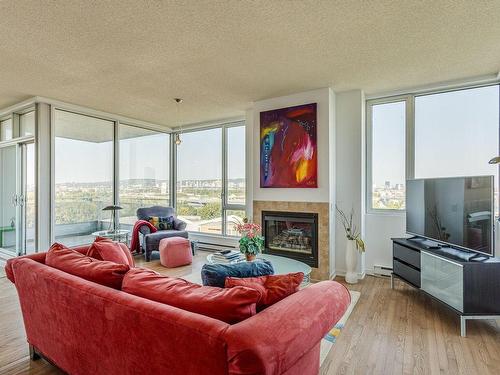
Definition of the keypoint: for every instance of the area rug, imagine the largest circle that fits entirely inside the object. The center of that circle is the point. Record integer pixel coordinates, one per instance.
(331, 336)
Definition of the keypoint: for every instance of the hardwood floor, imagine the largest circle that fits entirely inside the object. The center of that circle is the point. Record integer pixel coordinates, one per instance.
(397, 331)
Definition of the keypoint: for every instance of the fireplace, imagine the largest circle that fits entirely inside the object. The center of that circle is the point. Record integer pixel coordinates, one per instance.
(291, 234)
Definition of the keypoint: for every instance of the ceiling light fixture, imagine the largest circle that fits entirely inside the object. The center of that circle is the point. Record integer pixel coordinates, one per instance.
(178, 140)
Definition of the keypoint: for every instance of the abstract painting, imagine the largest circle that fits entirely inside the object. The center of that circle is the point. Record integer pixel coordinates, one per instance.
(288, 148)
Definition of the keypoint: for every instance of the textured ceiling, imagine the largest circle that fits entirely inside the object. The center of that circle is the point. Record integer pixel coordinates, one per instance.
(133, 57)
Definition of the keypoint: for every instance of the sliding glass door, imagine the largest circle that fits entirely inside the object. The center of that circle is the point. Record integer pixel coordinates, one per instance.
(17, 199)
(9, 218)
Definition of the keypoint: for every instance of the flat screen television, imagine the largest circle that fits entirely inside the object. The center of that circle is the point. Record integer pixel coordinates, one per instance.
(456, 211)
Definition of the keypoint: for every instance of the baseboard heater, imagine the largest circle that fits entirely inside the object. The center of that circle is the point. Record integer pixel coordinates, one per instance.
(382, 271)
(213, 247)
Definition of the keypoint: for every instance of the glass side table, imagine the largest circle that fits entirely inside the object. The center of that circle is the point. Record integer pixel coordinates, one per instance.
(121, 235)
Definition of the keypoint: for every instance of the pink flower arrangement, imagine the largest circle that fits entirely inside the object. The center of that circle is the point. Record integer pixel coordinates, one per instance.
(251, 242)
(248, 229)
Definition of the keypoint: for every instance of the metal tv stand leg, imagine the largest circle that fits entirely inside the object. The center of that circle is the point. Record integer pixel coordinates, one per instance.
(464, 318)
(463, 326)
(392, 281)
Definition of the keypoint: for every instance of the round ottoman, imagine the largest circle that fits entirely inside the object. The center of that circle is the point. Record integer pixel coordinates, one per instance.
(175, 252)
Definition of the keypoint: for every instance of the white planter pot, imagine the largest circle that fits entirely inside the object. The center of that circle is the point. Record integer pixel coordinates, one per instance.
(351, 262)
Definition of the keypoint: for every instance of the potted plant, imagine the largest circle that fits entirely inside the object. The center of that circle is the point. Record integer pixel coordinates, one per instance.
(354, 245)
(251, 242)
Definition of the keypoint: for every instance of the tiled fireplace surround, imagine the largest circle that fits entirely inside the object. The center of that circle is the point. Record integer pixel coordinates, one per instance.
(322, 209)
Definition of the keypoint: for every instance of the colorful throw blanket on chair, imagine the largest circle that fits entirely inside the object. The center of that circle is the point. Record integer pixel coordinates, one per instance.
(134, 242)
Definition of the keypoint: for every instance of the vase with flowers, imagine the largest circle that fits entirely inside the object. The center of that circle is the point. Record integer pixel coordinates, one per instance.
(354, 245)
(251, 241)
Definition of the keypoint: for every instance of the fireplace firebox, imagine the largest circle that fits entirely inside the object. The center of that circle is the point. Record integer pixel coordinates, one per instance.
(291, 234)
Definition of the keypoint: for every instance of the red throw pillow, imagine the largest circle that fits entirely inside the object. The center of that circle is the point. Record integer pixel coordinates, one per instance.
(273, 288)
(229, 305)
(105, 249)
(101, 272)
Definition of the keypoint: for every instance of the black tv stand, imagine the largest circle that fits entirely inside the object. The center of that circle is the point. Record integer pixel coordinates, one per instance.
(465, 281)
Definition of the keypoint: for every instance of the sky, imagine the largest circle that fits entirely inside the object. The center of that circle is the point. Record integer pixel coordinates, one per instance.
(456, 133)
(199, 157)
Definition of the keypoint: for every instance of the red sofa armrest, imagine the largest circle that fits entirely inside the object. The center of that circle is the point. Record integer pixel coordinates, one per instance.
(9, 271)
(37, 257)
(272, 341)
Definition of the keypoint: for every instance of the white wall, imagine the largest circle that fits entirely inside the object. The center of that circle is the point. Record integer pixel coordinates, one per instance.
(349, 115)
(249, 161)
(323, 98)
(341, 172)
(379, 229)
(326, 191)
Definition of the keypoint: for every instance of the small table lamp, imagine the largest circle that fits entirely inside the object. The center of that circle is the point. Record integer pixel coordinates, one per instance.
(113, 208)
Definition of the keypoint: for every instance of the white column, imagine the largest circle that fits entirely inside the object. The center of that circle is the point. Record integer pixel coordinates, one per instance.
(249, 162)
(349, 164)
(43, 176)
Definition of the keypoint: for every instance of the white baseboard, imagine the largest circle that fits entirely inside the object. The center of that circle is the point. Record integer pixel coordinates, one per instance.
(341, 273)
(214, 240)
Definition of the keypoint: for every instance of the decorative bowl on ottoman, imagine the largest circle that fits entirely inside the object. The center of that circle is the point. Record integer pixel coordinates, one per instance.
(175, 252)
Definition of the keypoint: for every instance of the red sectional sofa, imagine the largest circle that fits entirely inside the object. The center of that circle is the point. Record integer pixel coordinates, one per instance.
(86, 328)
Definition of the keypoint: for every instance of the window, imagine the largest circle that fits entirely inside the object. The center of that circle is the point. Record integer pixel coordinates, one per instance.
(30, 200)
(236, 165)
(235, 185)
(211, 179)
(459, 129)
(83, 174)
(452, 134)
(456, 133)
(388, 155)
(199, 180)
(27, 123)
(6, 130)
(144, 171)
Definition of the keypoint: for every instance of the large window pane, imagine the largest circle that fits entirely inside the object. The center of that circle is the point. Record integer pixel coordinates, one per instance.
(388, 155)
(199, 180)
(234, 217)
(83, 176)
(456, 133)
(6, 130)
(236, 165)
(27, 123)
(144, 171)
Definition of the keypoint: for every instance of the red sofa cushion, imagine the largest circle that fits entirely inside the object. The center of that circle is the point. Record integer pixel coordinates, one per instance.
(102, 272)
(105, 249)
(228, 305)
(273, 288)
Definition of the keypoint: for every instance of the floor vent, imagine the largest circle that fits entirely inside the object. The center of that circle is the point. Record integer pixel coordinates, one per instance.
(382, 271)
